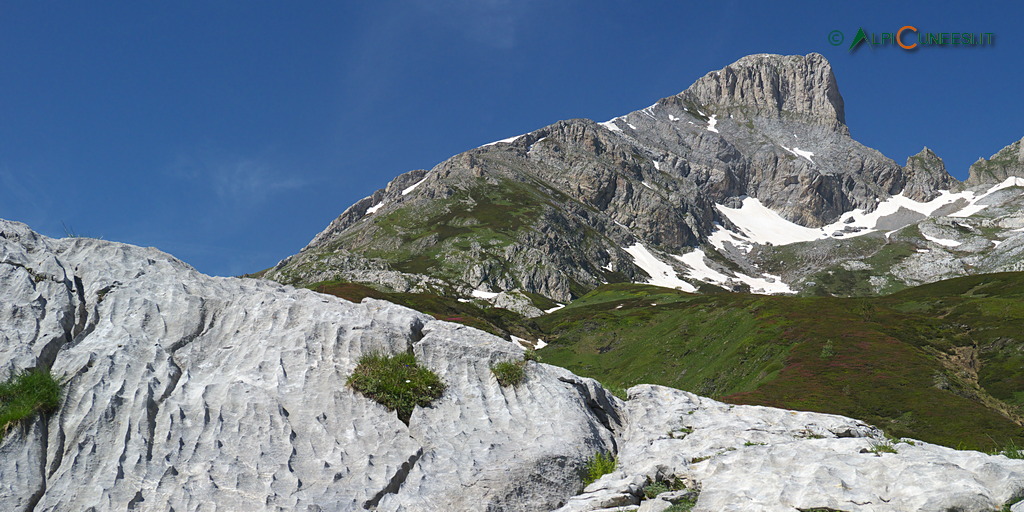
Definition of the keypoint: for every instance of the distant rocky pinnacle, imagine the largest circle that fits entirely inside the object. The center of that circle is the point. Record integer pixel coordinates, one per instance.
(194, 393)
(555, 211)
(1008, 162)
(926, 176)
(765, 85)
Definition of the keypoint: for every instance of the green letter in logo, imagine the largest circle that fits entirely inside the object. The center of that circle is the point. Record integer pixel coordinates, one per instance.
(859, 38)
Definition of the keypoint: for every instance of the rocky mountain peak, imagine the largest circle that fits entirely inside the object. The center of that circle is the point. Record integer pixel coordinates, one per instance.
(1008, 162)
(793, 87)
(926, 176)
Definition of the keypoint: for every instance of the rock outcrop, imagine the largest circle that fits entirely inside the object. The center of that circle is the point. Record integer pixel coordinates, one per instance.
(745, 458)
(189, 392)
(785, 87)
(1006, 163)
(926, 176)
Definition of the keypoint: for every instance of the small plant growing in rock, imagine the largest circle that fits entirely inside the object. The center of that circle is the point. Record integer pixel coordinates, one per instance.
(26, 394)
(396, 382)
(597, 466)
(686, 504)
(509, 373)
(1010, 451)
(531, 355)
(880, 447)
(654, 489)
(1009, 504)
(680, 432)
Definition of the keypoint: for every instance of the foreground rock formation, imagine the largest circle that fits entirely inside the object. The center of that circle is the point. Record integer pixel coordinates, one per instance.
(189, 392)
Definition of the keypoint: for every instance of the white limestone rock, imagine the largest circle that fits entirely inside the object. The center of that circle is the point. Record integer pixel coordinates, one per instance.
(747, 458)
(198, 393)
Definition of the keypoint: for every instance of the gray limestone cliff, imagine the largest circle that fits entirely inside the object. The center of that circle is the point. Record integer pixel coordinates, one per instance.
(799, 88)
(1007, 162)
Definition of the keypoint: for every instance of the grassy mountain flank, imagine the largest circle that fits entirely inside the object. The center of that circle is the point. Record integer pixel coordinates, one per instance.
(497, 321)
(942, 362)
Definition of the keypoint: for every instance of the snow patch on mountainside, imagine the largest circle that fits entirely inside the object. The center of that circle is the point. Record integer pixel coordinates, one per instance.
(974, 206)
(481, 294)
(762, 225)
(711, 124)
(941, 241)
(412, 187)
(767, 284)
(758, 224)
(699, 269)
(373, 209)
(610, 124)
(800, 153)
(662, 274)
(507, 141)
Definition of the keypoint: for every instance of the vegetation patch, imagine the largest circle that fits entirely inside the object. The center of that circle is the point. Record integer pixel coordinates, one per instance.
(498, 321)
(597, 466)
(397, 382)
(26, 394)
(942, 362)
(509, 373)
(686, 503)
(880, 447)
(1011, 451)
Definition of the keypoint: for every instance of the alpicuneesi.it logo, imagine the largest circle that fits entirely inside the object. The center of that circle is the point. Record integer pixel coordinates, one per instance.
(910, 38)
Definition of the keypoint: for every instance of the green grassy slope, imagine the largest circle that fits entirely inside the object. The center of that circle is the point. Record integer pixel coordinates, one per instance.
(942, 362)
(498, 321)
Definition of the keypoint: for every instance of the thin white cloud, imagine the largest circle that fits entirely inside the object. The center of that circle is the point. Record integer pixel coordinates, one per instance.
(234, 181)
(249, 181)
(495, 23)
(373, 64)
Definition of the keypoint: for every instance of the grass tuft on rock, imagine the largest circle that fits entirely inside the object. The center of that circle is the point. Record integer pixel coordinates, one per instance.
(880, 447)
(1011, 450)
(397, 382)
(26, 394)
(597, 466)
(509, 373)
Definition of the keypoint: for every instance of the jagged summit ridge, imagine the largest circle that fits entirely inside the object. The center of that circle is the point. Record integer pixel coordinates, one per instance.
(794, 86)
(568, 207)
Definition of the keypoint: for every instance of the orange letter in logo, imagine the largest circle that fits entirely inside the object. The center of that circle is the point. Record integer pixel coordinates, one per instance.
(899, 38)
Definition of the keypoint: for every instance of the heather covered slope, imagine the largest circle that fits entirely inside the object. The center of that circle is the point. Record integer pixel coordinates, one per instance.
(942, 362)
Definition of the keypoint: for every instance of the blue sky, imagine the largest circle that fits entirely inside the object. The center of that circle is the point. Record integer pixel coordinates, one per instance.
(229, 133)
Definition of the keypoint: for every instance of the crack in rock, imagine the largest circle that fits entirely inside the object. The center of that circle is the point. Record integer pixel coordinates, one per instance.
(396, 481)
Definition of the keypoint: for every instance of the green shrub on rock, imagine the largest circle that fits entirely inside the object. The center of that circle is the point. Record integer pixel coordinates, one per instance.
(397, 382)
(597, 466)
(26, 394)
(509, 373)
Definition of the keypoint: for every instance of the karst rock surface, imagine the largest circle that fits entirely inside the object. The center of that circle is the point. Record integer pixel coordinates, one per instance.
(188, 392)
